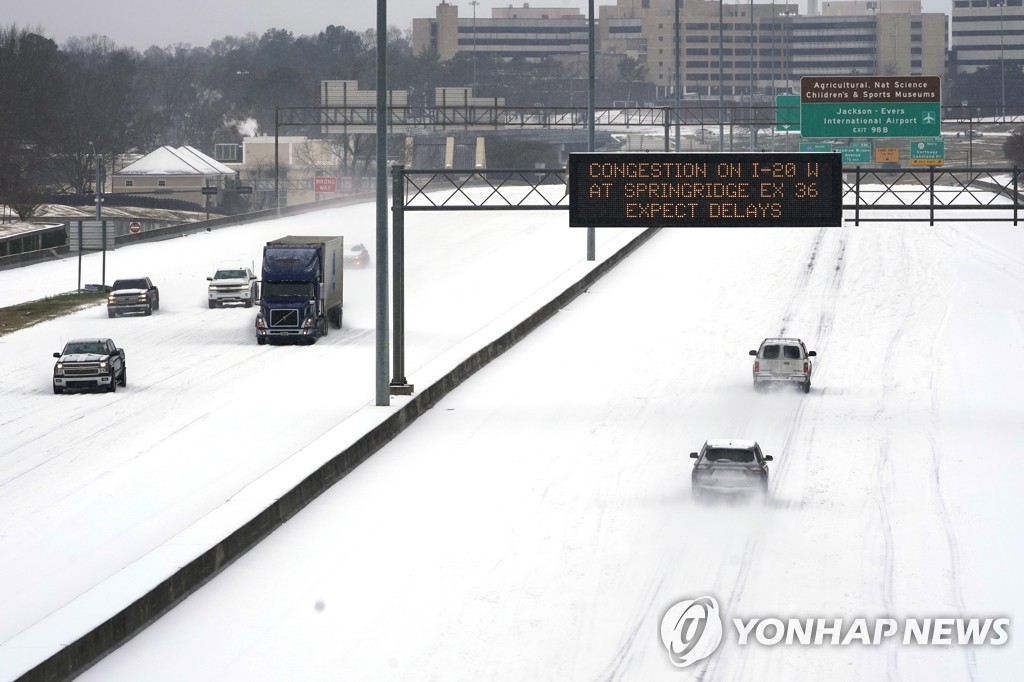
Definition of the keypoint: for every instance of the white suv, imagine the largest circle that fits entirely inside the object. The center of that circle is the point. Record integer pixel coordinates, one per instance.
(783, 360)
(232, 285)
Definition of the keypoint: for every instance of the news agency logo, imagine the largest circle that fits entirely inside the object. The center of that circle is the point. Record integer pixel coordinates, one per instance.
(691, 630)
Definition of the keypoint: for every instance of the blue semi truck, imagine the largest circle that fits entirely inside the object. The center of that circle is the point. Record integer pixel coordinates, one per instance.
(301, 289)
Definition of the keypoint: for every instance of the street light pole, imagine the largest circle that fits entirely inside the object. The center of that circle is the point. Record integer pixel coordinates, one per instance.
(96, 187)
(474, 3)
(591, 235)
(1002, 67)
(753, 56)
(677, 78)
(721, 76)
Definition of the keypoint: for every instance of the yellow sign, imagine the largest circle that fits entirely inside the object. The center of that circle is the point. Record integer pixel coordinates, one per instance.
(926, 162)
(887, 154)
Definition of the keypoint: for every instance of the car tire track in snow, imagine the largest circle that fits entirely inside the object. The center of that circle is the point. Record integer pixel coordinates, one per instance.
(888, 476)
(947, 522)
(885, 478)
(794, 432)
(954, 549)
(617, 668)
(801, 282)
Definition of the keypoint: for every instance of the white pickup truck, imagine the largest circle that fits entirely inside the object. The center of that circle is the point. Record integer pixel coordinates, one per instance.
(783, 360)
(232, 285)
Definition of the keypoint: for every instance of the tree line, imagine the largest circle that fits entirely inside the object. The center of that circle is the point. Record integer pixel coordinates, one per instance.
(64, 105)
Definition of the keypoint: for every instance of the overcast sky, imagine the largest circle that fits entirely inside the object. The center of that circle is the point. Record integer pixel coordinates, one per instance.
(199, 22)
(142, 24)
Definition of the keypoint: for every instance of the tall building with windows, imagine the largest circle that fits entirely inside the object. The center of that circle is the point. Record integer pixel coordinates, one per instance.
(528, 32)
(875, 37)
(986, 32)
(752, 43)
(764, 48)
(757, 50)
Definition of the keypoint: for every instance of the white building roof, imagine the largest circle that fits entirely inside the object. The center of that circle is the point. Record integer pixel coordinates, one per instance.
(181, 161)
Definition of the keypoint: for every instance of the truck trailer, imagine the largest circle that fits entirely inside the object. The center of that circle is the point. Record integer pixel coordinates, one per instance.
(301, 289)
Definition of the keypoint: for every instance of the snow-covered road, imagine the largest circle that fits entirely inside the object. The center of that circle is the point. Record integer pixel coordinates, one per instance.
(538, 522)
(91, 483)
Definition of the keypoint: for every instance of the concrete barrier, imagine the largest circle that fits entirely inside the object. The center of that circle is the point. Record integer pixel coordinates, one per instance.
(84, 652)
(160, 233)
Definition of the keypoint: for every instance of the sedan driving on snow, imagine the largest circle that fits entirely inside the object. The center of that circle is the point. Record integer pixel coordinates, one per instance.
(357, 256)
(783, 360)
(729, 467)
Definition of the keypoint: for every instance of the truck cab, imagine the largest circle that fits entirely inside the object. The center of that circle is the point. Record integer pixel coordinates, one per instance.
(300, 290)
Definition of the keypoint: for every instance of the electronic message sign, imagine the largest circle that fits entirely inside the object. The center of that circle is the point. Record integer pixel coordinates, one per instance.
(745, 189)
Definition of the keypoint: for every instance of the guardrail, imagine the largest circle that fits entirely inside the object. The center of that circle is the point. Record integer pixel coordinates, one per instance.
(922, 194)
(178, 229)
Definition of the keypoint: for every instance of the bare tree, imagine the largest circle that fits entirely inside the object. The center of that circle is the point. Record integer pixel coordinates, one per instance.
(1013, 148)
(24, 198)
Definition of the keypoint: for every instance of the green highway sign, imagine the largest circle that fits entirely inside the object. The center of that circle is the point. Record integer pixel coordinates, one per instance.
(927, 152)
(815, 146)
(787, 112)
(855, 153)
(870, 120)
(870, 106)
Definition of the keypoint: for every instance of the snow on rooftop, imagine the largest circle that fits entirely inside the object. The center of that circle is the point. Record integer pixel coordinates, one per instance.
(181, 161)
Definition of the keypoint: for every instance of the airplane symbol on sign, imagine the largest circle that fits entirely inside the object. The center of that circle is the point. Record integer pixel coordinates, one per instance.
(929, 117)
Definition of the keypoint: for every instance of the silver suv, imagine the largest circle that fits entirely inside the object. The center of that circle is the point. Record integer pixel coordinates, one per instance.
(729, 467)
(783, 360)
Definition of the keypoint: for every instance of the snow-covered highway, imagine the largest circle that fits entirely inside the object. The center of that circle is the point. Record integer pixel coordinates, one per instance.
(537, 523)
(91, 485)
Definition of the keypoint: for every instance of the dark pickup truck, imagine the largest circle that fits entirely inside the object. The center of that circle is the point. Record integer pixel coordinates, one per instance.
(136, 295)
(89, 363)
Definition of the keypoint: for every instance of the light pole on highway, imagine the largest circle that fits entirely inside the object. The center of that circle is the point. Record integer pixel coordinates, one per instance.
(721, 76)
(1002, 67)
(97, 192)
(474, 3)
(676, 58)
